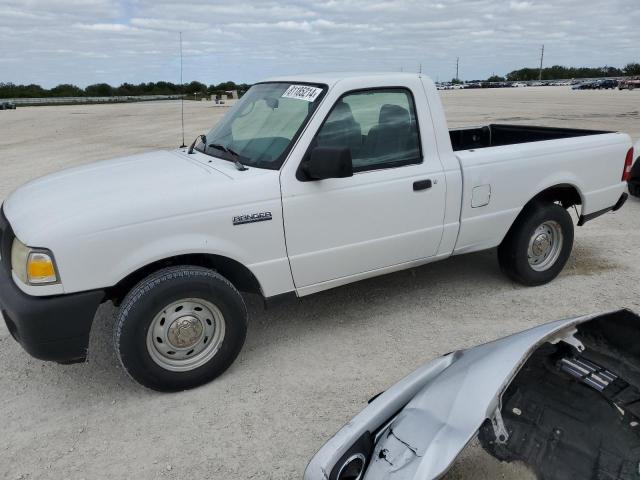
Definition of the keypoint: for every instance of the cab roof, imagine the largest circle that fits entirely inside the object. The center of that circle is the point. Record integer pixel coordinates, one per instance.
(332, 78)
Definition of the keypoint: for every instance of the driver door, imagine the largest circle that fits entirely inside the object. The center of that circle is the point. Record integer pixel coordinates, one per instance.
(388, 213)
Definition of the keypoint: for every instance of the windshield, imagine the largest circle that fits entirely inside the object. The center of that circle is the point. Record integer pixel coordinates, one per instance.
(263, 126)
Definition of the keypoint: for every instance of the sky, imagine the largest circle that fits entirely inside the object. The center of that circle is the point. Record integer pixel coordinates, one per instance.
(90, 41)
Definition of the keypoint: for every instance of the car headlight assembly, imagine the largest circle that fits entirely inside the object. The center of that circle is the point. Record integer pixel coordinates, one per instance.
(33, 266)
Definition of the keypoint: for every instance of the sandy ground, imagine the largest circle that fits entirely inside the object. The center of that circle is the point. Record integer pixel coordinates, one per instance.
(310, 365)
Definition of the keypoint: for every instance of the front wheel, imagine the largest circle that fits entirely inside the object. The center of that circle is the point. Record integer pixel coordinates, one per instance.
(538, 244)
(179, 328)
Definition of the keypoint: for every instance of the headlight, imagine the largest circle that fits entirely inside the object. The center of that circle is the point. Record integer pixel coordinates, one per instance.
(33, 266)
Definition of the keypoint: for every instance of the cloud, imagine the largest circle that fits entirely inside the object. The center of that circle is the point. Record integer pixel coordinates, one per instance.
(520, 6)
(105, 27)
(166, 24)
(89, 41)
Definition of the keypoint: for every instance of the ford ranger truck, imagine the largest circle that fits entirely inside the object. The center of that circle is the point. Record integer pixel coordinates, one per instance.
(307, 183)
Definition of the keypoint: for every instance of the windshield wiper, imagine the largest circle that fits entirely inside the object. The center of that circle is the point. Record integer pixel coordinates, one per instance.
(204, 141)
(235, 156)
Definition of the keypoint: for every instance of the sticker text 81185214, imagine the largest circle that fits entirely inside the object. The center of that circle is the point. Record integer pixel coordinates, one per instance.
(302, 92)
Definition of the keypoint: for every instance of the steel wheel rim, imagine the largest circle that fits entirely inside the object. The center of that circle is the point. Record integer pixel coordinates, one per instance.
(185, 334)
(545, 246)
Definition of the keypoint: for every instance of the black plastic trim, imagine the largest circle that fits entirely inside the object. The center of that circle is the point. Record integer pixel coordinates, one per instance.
(590, 216)
(49, 328)
(279, 299)
(6, 240)
(496, 135)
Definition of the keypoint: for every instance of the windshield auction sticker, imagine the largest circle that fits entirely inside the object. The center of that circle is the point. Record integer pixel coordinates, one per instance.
(302, 92)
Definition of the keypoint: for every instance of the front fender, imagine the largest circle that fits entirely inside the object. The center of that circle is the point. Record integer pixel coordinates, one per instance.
(102, 259)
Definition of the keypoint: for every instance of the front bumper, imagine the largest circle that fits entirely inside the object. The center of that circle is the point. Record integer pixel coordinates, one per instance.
(421, 424)
(49, 328)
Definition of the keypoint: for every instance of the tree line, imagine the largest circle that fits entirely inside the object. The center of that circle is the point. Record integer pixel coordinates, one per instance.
(558, 72)
(193, 89)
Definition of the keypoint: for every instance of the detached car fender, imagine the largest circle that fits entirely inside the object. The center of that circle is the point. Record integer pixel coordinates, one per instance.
(417, 428)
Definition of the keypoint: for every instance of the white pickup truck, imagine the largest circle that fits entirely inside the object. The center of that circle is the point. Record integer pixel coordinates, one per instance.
(308, 183)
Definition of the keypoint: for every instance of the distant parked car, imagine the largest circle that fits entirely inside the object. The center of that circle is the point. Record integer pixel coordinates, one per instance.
(606, 84)
(629, 83)
(589, 85)
(7, 106)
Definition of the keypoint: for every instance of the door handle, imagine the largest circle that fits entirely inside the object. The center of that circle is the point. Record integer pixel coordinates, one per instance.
(421, 185)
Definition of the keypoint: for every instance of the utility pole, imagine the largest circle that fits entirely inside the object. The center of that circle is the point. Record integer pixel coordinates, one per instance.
(541, 58)
(457, 68)
(420, 71)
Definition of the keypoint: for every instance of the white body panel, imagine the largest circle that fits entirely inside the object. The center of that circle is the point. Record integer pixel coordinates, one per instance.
(341, 227)
(106, 220)
(517, 173)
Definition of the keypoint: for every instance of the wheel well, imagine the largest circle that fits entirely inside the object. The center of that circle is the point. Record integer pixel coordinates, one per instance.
(567, 195)
(239, 275)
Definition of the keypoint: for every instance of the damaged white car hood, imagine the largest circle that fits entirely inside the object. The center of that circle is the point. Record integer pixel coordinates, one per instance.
(435, 411)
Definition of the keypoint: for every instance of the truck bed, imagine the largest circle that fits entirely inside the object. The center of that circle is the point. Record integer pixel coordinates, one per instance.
(498, 181)
(495, 135)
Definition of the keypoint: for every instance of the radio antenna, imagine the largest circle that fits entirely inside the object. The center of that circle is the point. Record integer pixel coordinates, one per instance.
(181, 95)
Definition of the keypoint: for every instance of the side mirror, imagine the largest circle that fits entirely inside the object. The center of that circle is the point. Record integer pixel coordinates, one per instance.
(327, 162)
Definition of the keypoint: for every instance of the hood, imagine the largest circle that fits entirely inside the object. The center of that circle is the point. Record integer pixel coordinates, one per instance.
(100, 195)
(417, 428)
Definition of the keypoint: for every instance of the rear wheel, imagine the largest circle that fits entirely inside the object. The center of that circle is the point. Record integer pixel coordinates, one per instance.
(179, 328)
(538, 244)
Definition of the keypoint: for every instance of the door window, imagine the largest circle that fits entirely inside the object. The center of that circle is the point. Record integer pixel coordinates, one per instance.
(378, 126)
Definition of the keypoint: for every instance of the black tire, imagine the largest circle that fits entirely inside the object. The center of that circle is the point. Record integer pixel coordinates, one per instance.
(513, 251)
(156, 292)
(634, 180)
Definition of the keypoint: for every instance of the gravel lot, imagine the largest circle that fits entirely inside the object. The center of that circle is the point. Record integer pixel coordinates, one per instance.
(309, 365)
